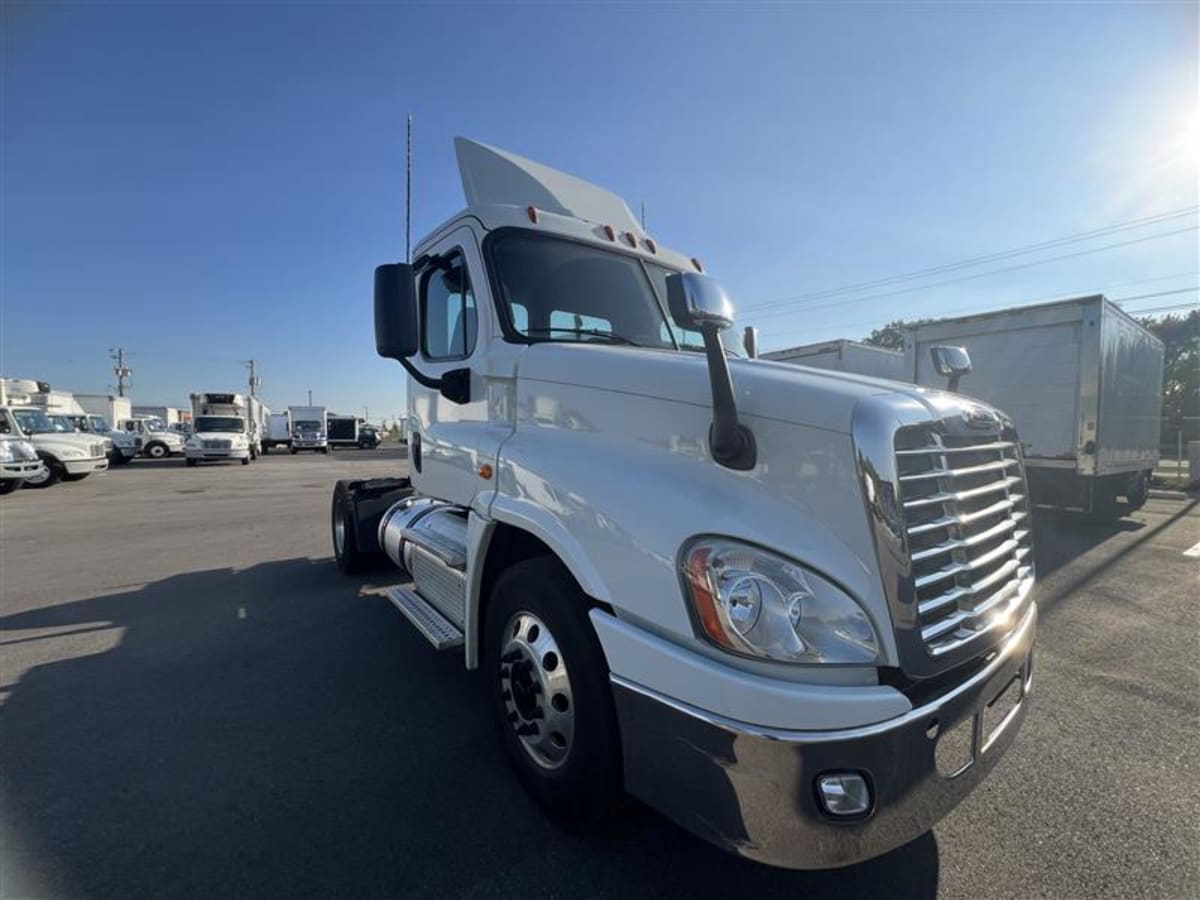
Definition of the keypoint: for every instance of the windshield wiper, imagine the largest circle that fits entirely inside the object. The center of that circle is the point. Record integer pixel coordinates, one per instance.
(609, 336)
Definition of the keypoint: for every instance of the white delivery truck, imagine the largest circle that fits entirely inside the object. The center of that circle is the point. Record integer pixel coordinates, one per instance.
(154, 437)
(308, 429)
(170, 415)
(845, 356)
(65, 456)
(278, 431)
(1081, 379)
(790, 608)
(100, 411)
(220, 429)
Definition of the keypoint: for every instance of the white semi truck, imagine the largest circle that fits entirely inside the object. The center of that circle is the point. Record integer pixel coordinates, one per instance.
(308, 429)
(220, 429)
(64, 456)
(1082, 380)
(792, 609)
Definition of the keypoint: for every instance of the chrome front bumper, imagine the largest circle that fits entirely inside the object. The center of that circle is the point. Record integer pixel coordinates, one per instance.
(309, 445)
(21, 470)
(85, 466)
(753, 791)
(212, 453)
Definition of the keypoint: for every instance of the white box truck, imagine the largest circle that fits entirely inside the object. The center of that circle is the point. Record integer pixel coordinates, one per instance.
(170, 415)
(845, 356)
(308, 429)
(1082, 381)
(278, 431)
(790, 608)
(341, 431)
(220, 429)
(65, 456)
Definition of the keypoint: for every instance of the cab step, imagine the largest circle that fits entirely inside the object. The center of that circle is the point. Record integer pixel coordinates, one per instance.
(436, 628)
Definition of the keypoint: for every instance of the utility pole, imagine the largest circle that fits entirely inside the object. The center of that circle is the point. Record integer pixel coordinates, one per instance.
(366, 413)
(122, 371)
(255, 381)
(310, 397)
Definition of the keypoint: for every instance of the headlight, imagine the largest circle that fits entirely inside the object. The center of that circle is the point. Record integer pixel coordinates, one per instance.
(72, 453)
(751, 601)
(8, 451)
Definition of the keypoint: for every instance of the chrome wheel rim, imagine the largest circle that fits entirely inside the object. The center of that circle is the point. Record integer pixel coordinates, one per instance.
(41, 476)
(158, 451)
(535, 687)
(339, 534)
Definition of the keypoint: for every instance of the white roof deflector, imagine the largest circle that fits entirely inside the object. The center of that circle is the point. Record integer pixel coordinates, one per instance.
(492, 176)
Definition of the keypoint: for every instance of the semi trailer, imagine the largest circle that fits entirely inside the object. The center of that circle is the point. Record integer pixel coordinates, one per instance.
(790, 608)
(845, 356)
(220, 429)
(1082, 380)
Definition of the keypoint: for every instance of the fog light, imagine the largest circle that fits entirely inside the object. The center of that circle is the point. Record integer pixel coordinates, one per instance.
(844, 794)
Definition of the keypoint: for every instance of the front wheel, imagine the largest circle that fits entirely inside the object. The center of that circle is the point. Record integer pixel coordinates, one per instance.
(245, 460)
(193, 462)
(78, 477)
(52, 473)
(549, 683)
(325, 450)
(292, 450)
(8, 485)
(157, 450)
(118, 459)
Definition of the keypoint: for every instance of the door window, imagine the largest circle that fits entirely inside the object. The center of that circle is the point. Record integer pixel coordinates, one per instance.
(448, 317)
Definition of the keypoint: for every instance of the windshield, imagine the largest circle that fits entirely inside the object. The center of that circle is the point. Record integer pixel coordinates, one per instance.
(61, 423)
(98, 423)
(559, 290)
(33, 421)
(155, 424)
(308, 425)
(220, 423)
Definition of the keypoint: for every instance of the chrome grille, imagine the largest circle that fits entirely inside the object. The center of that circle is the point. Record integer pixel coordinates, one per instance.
(98, 450)
(217, 445)
(966, 521)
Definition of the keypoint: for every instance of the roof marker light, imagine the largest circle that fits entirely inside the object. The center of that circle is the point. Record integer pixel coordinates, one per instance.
(696, 263)
(609, 233)
(650, 245)
(631, 238)
(532, 212)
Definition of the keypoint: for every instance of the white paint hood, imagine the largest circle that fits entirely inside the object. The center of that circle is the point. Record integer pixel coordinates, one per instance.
(492, 176)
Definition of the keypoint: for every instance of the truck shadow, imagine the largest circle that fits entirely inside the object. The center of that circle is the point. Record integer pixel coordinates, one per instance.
(281, 732)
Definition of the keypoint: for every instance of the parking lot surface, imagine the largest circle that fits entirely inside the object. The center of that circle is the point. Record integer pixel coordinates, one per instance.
(195, 703)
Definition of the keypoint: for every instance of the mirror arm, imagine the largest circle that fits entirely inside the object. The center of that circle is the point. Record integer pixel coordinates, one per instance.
(732, 443)
(420, 377)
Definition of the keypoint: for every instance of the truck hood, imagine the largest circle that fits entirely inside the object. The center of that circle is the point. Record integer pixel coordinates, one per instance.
(764, 389)
(85, 442)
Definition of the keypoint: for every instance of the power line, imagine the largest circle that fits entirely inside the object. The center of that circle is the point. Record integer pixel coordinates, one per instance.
(962, 278)
(1156, 294)
(979, 260)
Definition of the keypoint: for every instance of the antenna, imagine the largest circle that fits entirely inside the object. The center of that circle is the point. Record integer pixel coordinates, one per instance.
(122, 371)
(255, 381)
(408, 197)
(643, 215)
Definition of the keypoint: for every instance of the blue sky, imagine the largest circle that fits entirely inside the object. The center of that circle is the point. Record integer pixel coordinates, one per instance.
(203, 184)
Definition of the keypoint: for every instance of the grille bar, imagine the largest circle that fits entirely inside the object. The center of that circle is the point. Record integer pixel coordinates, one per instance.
(960, 473)
(977, 448)
(957, 496)
(966, 518)
(981, 537)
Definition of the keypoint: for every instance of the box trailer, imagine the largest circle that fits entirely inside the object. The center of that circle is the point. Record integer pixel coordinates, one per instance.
(342, 430)
(1082, 381)
(278, 431)
(845, 356)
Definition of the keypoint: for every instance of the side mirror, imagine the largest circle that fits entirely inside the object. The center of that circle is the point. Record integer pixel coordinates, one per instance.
(750, 341)
(697, 300)
(395, 311)
(951, 362)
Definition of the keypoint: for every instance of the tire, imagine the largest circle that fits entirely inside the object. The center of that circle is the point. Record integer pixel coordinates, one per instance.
(245, 460)
(265, 449)
(193, 462)
(1105, 507)
(8, 485)
(539, 646)
(292, 450)
(349, 558)
(326, 450)
(54, 473)
(82, 475)
(1138, 490)
(157, 450)
(119, 459)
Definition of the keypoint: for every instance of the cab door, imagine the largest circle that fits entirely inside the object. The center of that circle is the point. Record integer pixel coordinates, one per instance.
(451, 441)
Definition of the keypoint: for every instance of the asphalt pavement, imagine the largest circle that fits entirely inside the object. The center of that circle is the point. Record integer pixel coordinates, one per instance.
(193, 702)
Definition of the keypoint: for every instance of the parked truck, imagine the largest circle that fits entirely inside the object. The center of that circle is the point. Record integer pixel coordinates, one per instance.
(64, 456)
(278, 431)
(790, 608)
(845, 356)
(1081, 379)
(221, 429)
(342, 431)
(170, 415)
(154, 437)
(308, 429)
(99, 413)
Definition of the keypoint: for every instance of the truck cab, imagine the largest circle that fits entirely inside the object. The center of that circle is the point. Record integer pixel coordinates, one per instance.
(65, 455)
(122, 445)
(220, 430)
(152, 436)
(309, 429)
(791, 609)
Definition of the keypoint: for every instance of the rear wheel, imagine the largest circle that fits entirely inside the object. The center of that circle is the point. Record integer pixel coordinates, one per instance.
(1105, 506)
(550, 691)
(51, 474)
(346, 553)
(1138, 491)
